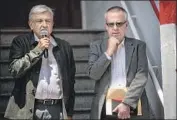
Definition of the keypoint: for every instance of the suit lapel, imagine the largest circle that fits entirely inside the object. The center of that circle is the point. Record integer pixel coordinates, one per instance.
(129, 48)
(104, 45)
(103, 49)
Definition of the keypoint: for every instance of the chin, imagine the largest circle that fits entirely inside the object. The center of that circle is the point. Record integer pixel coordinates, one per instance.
(116, 35)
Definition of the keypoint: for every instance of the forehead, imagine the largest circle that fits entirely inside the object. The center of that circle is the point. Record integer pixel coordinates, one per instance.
(43, 15)
(115, 16)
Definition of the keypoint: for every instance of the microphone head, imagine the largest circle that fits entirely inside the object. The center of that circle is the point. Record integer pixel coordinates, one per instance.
(44, 33)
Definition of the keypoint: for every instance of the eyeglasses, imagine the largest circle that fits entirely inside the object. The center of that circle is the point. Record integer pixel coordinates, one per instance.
(118, 24)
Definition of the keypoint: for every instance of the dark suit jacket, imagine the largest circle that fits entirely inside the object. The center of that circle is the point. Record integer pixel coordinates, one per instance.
(136, 73)
(25, 63)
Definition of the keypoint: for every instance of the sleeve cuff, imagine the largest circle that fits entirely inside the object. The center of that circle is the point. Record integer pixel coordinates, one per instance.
(131, 106)
(109, 58)
(37, 51)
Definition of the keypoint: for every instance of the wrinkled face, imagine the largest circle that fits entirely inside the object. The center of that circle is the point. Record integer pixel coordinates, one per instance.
(41, 21)
(116, 24)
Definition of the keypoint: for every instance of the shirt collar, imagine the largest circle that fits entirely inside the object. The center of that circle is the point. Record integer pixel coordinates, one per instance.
(122, 43)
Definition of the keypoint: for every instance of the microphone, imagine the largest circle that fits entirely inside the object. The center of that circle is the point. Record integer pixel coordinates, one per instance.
(44, 33)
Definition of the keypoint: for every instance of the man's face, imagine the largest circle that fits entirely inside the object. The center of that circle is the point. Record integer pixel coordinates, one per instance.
(116, 24)
(41, 21)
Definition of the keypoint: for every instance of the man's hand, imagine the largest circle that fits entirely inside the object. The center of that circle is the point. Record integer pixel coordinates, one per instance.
(44, 43)
(112, 45)
(123, 111)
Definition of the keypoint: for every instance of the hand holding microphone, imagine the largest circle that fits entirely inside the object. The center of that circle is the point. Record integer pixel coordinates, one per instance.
(44, 42)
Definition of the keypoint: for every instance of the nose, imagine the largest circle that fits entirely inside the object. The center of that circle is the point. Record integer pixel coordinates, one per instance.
(44, 23)
(115, 27)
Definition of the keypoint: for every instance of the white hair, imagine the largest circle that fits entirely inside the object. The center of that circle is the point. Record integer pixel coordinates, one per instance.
(40, 9)
(117, 9)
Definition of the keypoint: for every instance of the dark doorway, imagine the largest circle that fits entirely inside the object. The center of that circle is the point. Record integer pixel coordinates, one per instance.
(15, 13)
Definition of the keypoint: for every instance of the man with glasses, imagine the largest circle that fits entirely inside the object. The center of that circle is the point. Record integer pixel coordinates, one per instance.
(118, 61)
(44, 70)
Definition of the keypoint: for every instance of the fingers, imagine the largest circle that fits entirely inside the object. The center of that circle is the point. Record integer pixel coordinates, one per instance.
(123, 111)
(44, 43)
(115, 40)
(112, 46)
(123, 115)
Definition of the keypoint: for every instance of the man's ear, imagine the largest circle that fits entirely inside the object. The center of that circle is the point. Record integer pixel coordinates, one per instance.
(53, 24)
(127, 24)
(106, 27)
(30, 24)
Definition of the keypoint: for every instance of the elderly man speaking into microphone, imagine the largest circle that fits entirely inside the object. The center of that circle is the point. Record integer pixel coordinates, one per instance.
(43, 68)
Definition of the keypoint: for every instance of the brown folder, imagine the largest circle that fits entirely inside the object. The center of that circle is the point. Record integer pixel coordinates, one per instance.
(115, 96)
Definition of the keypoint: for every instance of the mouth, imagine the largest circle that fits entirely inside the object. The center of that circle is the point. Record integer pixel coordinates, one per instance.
(116, 34)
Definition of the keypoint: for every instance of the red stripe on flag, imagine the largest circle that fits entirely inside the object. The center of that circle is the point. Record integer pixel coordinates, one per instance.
(167, 12)
(118, 100)
(155, 8)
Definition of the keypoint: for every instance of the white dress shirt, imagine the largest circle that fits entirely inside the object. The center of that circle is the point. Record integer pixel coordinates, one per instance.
(49, 84)
(118, 73)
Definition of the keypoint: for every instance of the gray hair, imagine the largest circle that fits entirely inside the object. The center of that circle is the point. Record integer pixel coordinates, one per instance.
(40, 9)
(117, 8)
